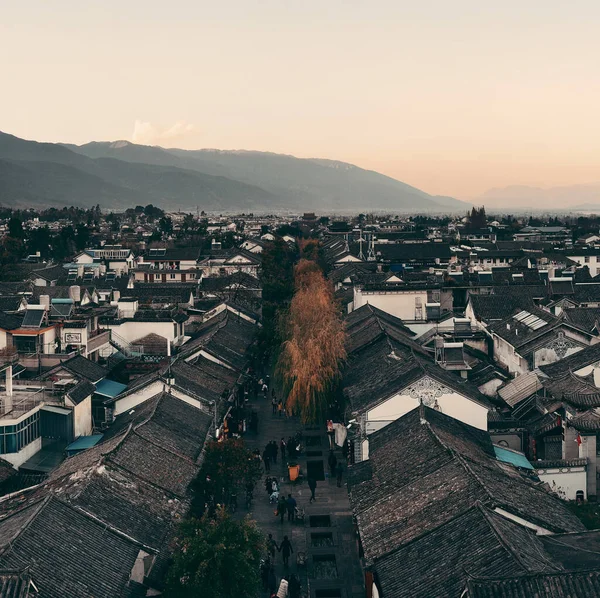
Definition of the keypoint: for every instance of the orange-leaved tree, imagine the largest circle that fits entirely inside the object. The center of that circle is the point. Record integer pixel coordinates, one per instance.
(313, 348)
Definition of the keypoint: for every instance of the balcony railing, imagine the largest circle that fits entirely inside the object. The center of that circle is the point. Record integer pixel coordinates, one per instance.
(98, 340)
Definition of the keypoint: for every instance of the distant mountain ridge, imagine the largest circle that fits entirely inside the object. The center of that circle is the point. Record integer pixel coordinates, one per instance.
(571, 197)
(118, 174)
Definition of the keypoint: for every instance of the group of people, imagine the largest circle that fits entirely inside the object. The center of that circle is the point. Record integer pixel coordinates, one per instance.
(268, 570)
(271, 452)
(286, 505)
(276, 404)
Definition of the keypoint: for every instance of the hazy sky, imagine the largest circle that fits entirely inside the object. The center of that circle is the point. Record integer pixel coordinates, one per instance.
(452, 96)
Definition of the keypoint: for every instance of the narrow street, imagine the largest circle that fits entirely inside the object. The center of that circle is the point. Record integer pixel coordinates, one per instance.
(327, 536)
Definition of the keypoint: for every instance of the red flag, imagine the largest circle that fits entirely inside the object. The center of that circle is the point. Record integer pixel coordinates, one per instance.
(578, 439)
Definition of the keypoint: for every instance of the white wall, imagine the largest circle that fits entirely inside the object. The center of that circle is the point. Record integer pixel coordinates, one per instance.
(83, 418)
(399, 304)
(450, 403)
(565, 481)
(544, 356)
(592, 264)
(136, 398)
(17, 459)
(505, 353)
(134, 330)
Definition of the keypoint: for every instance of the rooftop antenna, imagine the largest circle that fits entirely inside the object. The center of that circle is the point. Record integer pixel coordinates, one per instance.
(371, 252)
(361, 255)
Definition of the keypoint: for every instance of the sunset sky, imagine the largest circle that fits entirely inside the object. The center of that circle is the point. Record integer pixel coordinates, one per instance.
(452, 96)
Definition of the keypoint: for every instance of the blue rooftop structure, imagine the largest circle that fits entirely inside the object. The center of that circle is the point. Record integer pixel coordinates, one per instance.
(109, 388)
(83, 443)
(515, 458)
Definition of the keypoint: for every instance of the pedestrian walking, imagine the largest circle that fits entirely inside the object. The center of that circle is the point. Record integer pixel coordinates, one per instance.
(274, 403)
(286, 549)
(280, 407)
(265, 390)
(272, 546)
(291, 448)
(332, 463)
(291, 507)
(282, 447)
(281, 507)
(267, 460)
(312, 484)
(340, 473)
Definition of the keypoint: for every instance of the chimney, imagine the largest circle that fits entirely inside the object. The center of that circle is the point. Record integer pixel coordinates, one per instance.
(116, 294)
(45, 301)
(75, 293)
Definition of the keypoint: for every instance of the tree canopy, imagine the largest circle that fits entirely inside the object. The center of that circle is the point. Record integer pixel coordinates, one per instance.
(216, 556)
(227, 466)
(313, 348)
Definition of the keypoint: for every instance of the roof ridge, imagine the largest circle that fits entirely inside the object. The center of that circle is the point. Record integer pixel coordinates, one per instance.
(36, 509)
(151, 414)
(107, 526)
(508, 547)
(470, 471)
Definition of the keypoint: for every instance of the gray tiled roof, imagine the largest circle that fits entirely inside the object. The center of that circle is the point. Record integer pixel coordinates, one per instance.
(81, 391)
(476, 542)
(540, 585)
(92, 559)
(426, 468)
(81, 367)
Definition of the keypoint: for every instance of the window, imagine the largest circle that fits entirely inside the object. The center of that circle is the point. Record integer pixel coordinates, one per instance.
(14, 438)
(587, 259)
(25, 344)
(503, 443)
(157, 277)
(172, 276)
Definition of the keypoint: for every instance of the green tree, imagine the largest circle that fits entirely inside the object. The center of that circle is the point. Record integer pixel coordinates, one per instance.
(189, 223)
(165, 224)
(477, 218)
(15, 228)
(39, 240)
(217, 557)
(82, 237)
(277, 277)
(227, 467)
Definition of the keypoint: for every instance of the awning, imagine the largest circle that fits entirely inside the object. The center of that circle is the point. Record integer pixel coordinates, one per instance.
(512, 457)
(83, 443)
(109, 388)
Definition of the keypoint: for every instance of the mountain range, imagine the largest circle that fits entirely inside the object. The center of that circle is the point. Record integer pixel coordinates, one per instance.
(571, 197)
(120, 174)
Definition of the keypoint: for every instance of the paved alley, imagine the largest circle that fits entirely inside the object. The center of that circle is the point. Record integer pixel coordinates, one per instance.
(327, 536)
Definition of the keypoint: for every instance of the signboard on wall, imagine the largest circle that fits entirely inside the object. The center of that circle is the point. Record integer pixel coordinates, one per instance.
(73, 337)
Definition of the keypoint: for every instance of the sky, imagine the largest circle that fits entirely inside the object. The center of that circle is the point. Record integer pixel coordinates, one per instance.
(454, 97)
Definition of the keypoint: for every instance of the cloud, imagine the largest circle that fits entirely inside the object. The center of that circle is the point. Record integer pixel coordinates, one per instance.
(147, 133)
